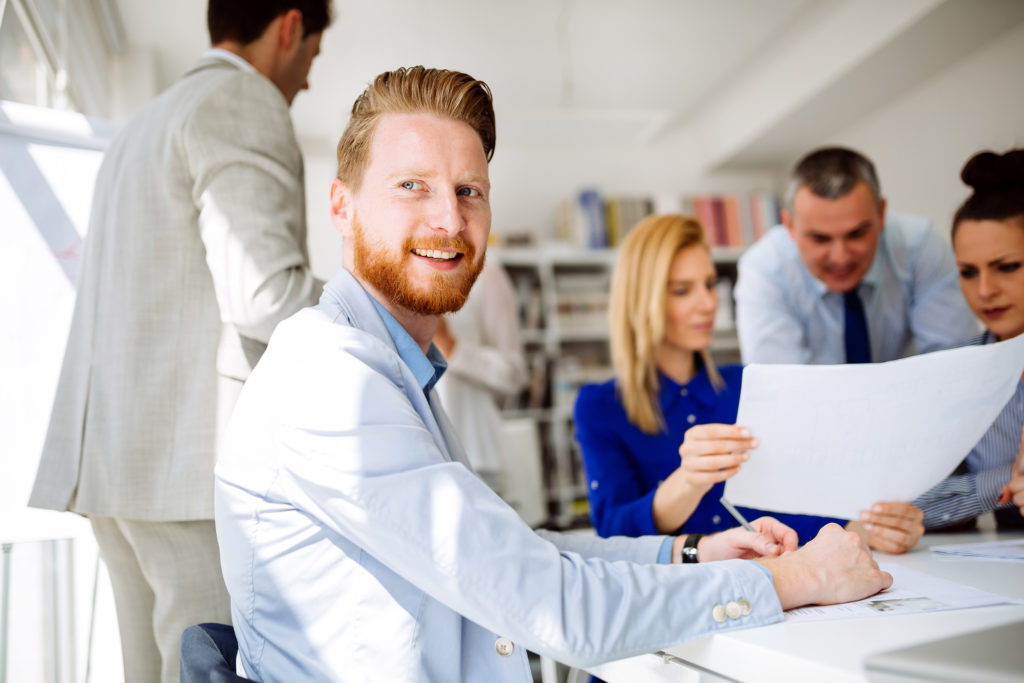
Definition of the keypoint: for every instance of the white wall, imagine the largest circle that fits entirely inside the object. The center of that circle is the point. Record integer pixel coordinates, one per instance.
(921, 141)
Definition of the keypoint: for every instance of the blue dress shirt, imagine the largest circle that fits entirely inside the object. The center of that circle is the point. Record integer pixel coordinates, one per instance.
(911, 293)
(625, 466)
(989, 465)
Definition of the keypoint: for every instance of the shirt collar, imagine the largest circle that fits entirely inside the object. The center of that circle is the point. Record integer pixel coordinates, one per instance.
(426, 367)
(700, 389)
(228, 56)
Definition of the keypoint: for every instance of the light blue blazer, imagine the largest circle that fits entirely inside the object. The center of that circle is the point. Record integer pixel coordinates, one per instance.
(358, 545)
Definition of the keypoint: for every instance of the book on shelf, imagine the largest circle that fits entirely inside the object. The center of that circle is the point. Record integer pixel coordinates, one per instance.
(593, 221)
(733, 220)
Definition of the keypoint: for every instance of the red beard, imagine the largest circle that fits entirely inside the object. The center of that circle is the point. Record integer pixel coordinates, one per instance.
(385, 271)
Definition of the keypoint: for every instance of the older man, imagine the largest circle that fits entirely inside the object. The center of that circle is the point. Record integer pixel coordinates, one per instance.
(842, 281)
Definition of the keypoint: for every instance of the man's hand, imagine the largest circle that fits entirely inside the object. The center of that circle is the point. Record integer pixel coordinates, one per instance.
(889, 527)
(835, 567)
(772, 538)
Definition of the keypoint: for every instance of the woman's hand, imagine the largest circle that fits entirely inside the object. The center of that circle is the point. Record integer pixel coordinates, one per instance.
(889, 527)
(1013, 490)
(711, 453)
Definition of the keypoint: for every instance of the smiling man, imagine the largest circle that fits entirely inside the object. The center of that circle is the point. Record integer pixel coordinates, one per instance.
(842, 281)
(356, 542)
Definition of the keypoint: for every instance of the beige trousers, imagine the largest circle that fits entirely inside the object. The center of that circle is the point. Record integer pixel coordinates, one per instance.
(166, 576)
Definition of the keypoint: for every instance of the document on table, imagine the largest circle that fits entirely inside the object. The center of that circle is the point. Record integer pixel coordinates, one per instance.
(912, 592)
(834, 439)
(998, 550)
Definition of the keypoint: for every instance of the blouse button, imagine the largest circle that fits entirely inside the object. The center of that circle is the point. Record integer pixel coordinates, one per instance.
(716, 519)
(691, 418)
(683, 392)
(593, 485)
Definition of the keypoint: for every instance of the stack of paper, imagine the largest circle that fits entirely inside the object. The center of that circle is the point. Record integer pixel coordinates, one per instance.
(1001, 550)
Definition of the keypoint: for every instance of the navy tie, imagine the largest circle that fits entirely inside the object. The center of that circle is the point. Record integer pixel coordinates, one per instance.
(855, 329)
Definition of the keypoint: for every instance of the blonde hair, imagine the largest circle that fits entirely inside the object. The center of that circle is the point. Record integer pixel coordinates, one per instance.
(413, 90)
(637, 311)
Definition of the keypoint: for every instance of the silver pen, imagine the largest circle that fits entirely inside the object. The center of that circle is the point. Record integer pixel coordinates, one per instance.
(736, 514)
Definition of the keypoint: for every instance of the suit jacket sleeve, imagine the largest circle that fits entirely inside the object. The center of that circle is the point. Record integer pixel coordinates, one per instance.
(365, 465)
(248, 187)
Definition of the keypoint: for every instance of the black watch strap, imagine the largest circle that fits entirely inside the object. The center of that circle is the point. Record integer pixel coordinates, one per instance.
(690, 548)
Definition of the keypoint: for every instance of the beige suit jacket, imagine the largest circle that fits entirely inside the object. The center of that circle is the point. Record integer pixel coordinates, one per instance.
(195, 251)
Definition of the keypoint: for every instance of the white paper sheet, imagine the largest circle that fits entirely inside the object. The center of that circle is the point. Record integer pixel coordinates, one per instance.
(912, 592)
(998, 550)
(837, 438)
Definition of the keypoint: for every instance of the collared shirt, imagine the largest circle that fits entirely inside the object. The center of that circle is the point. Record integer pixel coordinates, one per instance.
(625, 466)
(427, 367)
(229, 56)
(911, 294)
(989, 465)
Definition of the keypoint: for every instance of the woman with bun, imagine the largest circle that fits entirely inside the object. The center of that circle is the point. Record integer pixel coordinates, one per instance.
(988, 240)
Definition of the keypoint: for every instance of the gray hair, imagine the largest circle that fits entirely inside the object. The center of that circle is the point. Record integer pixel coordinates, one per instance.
(832, 172)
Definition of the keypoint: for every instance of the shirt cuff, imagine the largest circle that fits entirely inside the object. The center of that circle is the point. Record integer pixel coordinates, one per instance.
(665, 552)
(764, 569)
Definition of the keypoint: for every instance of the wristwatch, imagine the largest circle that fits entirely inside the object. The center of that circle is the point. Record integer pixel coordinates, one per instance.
(690, 548)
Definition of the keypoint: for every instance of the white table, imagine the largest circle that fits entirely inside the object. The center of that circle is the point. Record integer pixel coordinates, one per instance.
(835, 650)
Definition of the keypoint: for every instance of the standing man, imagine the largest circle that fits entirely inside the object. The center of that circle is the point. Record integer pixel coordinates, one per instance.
(196, 250)
(842, 282)
(356, 542)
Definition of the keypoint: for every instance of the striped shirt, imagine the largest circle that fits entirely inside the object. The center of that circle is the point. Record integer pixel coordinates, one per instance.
(988, 467)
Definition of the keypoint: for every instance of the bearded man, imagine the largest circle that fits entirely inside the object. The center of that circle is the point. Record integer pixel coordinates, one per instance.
(356, 542)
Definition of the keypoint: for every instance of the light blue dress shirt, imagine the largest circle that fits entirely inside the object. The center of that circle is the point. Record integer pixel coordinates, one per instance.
(357, 545)
(911, 293)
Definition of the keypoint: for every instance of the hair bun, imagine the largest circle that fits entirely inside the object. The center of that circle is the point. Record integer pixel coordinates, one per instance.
(988, 171)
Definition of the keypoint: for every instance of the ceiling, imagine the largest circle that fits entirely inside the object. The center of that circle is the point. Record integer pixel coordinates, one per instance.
(749, 79)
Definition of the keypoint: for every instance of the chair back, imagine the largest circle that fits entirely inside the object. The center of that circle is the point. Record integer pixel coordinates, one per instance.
(208, 653)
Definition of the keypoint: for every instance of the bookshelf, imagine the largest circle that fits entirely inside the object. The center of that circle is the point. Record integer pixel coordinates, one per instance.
(563, 310)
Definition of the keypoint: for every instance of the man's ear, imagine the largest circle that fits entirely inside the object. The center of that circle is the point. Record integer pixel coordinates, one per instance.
(881, 211)
(290, 29)
(341, 207)
(787, 220)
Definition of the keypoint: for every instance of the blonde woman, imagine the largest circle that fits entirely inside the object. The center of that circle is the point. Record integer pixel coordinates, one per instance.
(667, 391)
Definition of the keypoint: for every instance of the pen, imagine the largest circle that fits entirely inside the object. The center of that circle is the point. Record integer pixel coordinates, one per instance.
(736, 514)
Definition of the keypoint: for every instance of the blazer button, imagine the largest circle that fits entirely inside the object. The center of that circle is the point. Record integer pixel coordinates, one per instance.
(733, 610)
(504, 647)
(718, 613)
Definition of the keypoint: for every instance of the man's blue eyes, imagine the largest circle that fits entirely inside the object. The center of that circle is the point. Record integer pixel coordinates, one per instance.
(463, 191)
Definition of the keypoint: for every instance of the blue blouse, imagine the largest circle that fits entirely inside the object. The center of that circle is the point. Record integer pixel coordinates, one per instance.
(624, 465)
